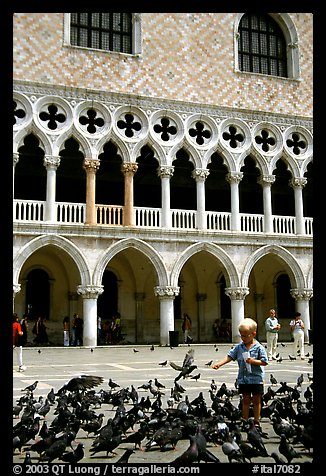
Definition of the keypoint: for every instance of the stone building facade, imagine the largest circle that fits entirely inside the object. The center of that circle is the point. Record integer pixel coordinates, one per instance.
(164, 180)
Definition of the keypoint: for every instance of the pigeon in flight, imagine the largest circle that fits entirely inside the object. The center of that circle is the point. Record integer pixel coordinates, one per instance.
(82, 383)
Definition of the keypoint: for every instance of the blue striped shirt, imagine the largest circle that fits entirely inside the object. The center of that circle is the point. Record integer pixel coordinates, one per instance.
(257, 351)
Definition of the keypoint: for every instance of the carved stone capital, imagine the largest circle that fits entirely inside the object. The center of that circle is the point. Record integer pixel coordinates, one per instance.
(16, 289)
(266, 179)
(91, 165)
(237, 294)
(200, 175)
(51, 161)
(90, 291)
(166, 292)
(129, 168)
(15, 158)
(303, 294)
(234, 177)
(299, 182)
(165, 171)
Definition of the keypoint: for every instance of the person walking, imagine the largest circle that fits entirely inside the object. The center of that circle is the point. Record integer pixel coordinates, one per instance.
(66, 331)
(17, 335)
(272, 328)
(40, 330)
(297, 327)
(78, 330)
(251, 357)
(186, 329)
(24, 326)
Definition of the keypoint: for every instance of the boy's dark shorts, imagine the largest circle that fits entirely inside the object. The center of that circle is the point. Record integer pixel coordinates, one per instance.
(252, 388)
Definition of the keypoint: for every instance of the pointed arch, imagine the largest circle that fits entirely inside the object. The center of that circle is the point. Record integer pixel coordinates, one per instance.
(141, 246)
(231, 274)
(65, 245)
(296, 274)
(44, 142)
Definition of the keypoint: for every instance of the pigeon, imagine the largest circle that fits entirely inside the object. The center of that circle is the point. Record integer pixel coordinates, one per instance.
(209, 363)
(152, 347)
(300, 380)
(58, 448)
(232, 450)
(287, 450)
(75, 455)
(185, 372)
(254, 437)
(195, 377)
(124, 458)
(158, 384)
(30, 388)
(135, 350)
(272, 379)
(112, 384)
(147, 385)
(137, 437)
(163, 364)
(291, 357)
(277, 458)
(190, 455)
(82, 383)
(27, 459)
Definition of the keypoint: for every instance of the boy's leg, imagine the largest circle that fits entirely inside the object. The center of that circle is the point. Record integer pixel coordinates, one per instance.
(246, 399)
(256, 403)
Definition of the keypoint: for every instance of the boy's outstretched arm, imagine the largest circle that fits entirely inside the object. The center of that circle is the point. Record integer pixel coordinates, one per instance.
(221, 362)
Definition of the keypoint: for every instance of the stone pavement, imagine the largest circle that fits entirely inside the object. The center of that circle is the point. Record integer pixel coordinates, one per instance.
(54, 366)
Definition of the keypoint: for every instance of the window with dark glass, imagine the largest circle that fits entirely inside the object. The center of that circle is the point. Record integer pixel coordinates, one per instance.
(261, 46)
(102, 31)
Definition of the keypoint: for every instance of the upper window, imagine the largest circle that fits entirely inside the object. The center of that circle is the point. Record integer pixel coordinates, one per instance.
(103, 31)
(261, 45)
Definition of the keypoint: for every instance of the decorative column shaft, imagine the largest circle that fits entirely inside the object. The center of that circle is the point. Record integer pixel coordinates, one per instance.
(129, 169)
(200, 175)
(302, 298)
(237, 296)
(266, 181)
(51, 163)
(15, 161)
(297, 184)
(90, 294)
(91, 166)
(234, 178)
(166, 295)
(165, 172)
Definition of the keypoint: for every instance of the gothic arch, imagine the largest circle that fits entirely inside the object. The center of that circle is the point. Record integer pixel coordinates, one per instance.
(296, 275)
(37, 243)
(231, 273)
(82, 141)
(141, 246)
(44, 142)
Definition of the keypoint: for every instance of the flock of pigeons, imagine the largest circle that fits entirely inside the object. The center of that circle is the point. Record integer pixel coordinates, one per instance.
(145, 423)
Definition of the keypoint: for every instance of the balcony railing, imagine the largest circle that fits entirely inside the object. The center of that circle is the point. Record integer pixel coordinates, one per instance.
(31, 211)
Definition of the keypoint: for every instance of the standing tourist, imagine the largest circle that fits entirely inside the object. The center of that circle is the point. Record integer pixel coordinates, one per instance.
(272, 328)
(17, 335)
(186, 329)
(297, 327)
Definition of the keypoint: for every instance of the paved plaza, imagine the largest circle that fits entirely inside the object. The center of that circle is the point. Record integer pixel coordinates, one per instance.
(135, 365)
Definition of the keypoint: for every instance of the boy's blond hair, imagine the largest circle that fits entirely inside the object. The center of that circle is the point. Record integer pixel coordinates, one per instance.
(249, 324)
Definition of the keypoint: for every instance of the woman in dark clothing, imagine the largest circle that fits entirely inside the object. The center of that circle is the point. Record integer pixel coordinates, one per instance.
(41, 334)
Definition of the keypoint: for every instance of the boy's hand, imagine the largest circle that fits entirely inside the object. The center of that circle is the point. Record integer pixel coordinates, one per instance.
(216, 366)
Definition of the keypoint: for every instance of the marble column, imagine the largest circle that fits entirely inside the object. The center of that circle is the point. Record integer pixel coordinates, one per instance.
(302, 298)
(90, 294)
(237, 296)
(165, 172)
(266, 182)
(166, 295)
(234, 178)
(51, 164)
(200, 175)
(15, 161)
(91, 166)
(297, 184)
(129, 169)
(16, 290)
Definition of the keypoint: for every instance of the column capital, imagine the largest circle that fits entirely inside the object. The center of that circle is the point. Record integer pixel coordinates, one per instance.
(91, 165)
(234, 177)
(15, 158)
(139, 296)
(90, 291)
(165, 171)
(51, 161)
(298, 182)
(129, 167)
(201, 296)
(16, 289)
(237, 294)
(266, 179)
(166, 292)
(301, 294)
(200, 175)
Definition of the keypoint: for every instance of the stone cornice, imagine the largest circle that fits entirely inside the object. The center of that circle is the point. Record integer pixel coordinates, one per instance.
(148, 103)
